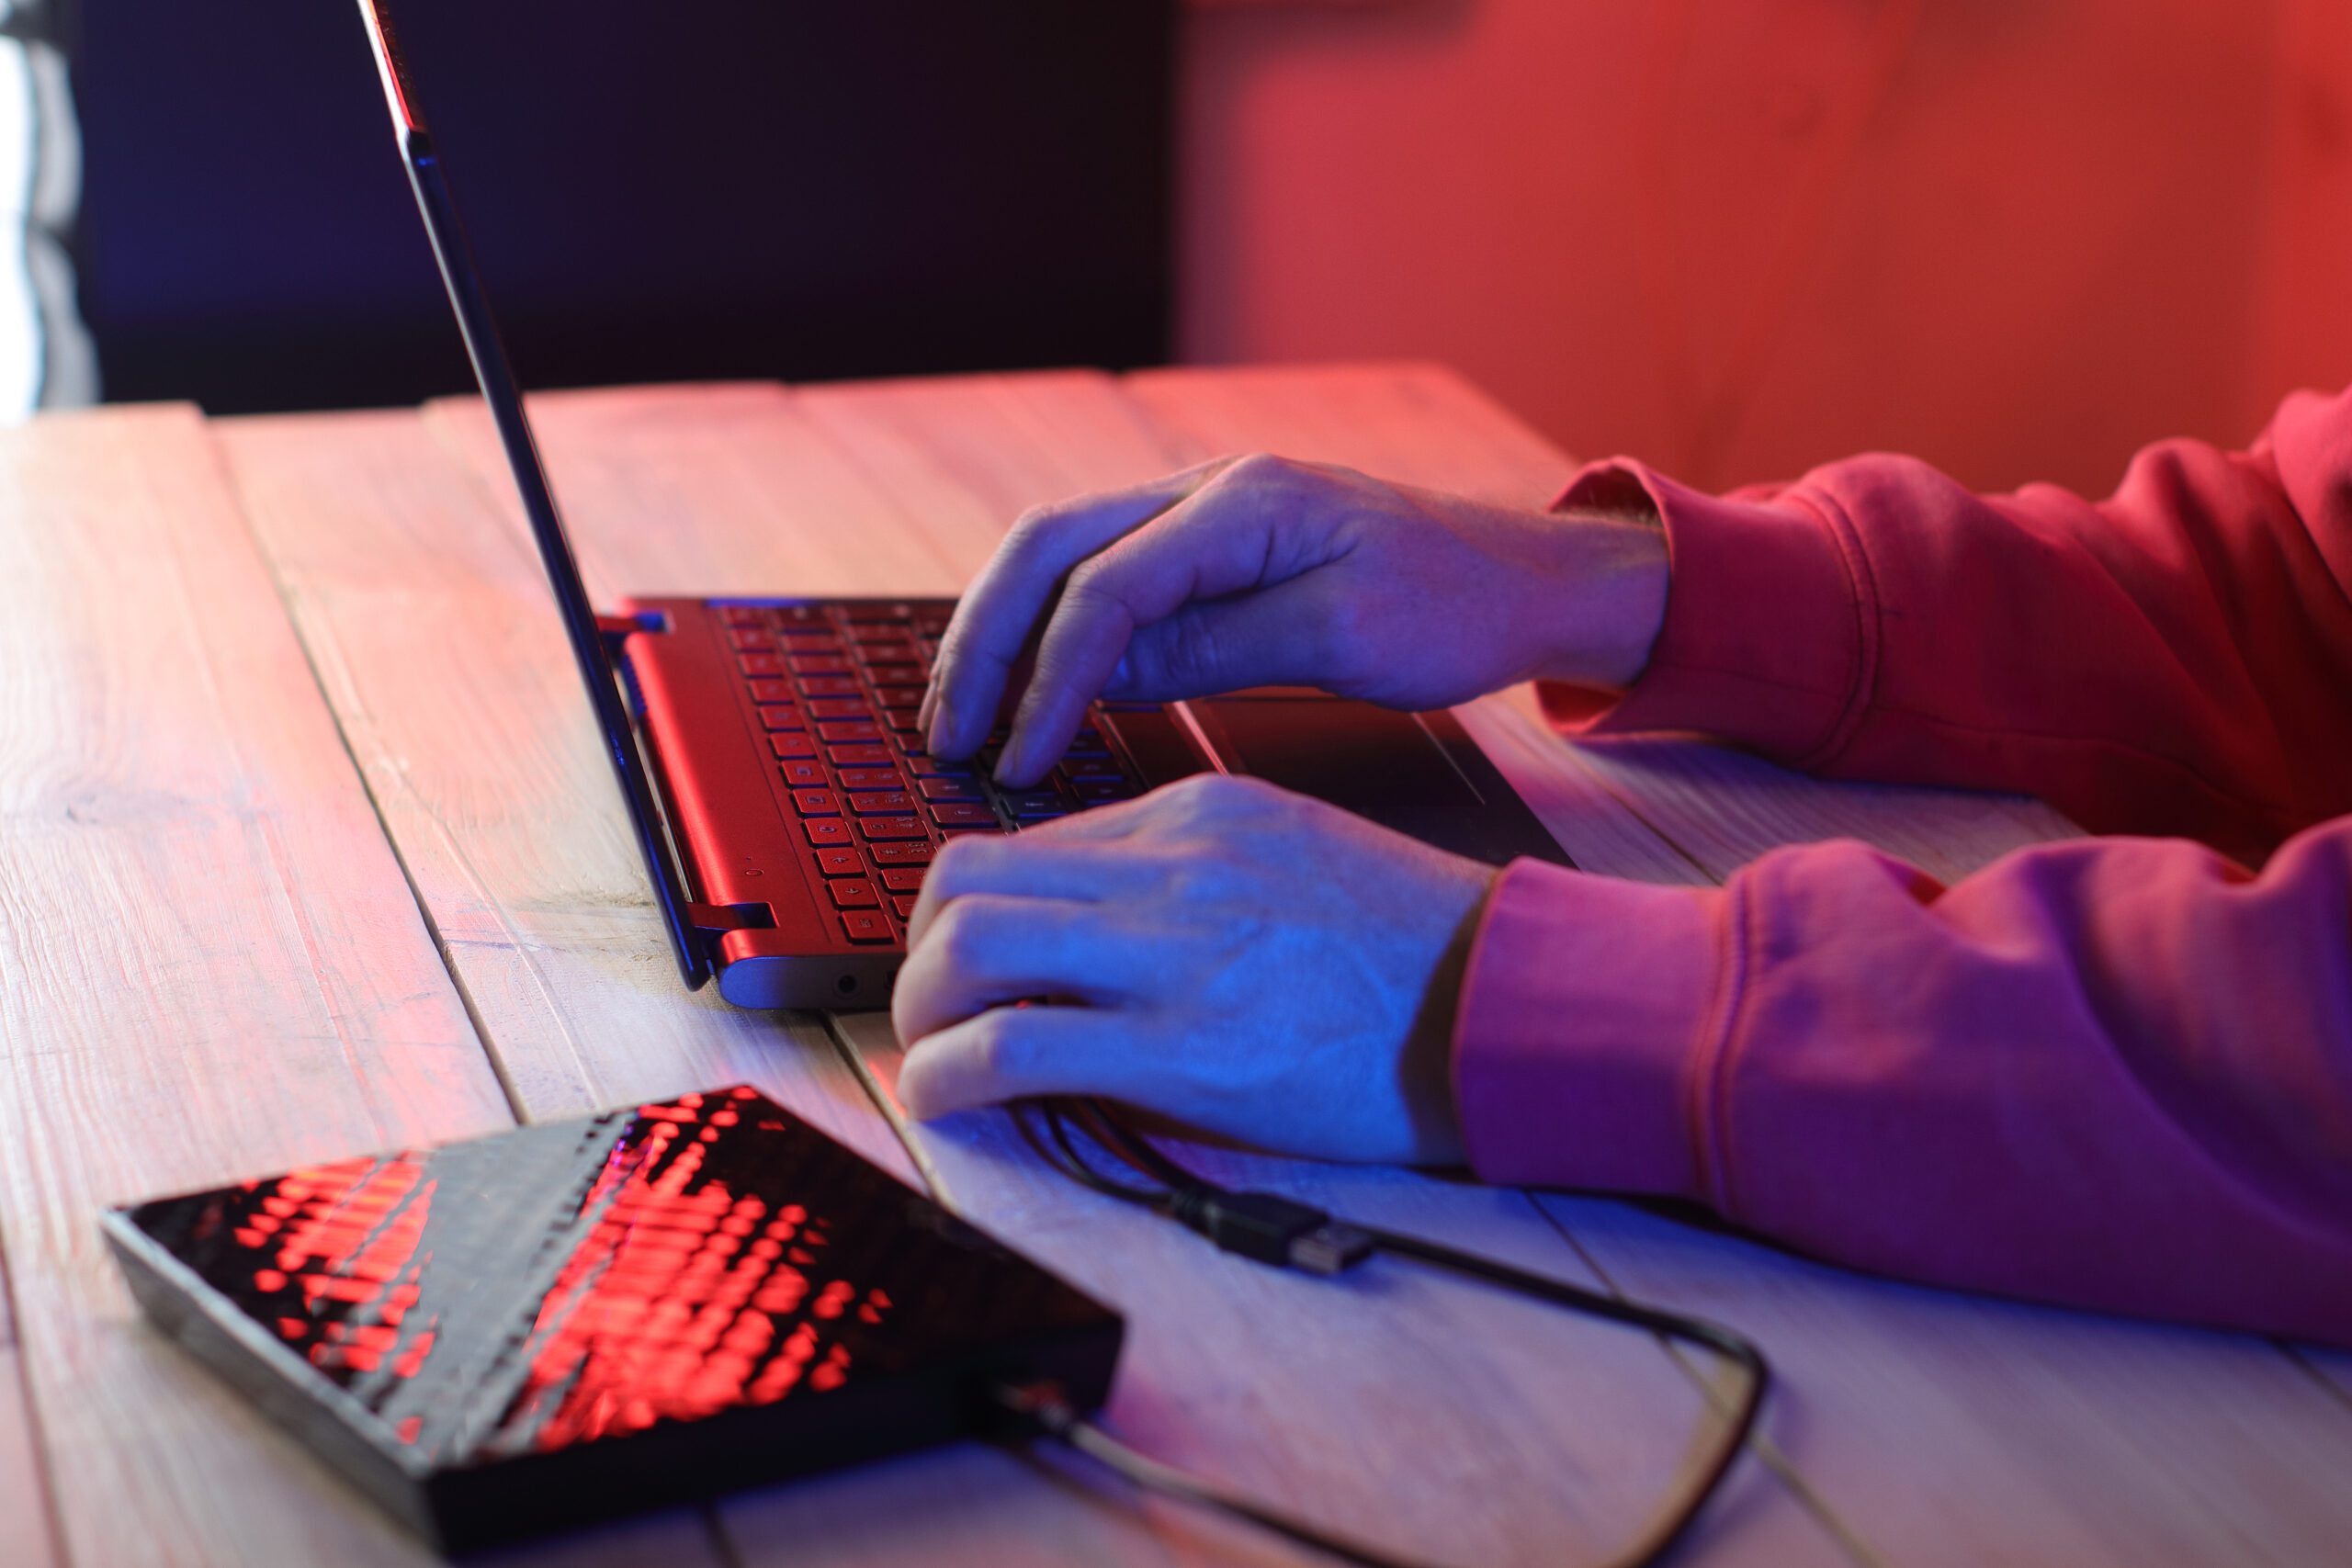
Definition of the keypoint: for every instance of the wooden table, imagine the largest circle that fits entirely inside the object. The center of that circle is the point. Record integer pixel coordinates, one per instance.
(306, 850)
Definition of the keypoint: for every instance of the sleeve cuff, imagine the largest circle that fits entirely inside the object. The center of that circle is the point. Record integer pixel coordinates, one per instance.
(1579, 1045)
(1770, 630)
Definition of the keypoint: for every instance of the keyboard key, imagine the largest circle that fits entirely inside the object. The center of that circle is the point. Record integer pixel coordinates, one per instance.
(963, 814)
(900, 721)
(1100, 792)
(893, 672)
(870, 778)
(917, 852)
(773, 691)
(853, 892)
(838, 707)
(905, 881)
(882, 803)
(865, 925)
(878, 828)
(816, 803)
(792, 744)
(828, 685)
(840, 730)
(817, 664)
(897, 696)
(950, 789)
(874, 610)
(840, 862)
(806, 773)
(781, 715)
(741, 615)
(1089, 768)
(923, 765)
(1033, 802)
(758, 664)
(750, 639)
(904, 907)
(824, 832)
(865, 756)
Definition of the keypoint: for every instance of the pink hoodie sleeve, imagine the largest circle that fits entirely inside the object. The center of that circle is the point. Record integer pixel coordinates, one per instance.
(2115, 1073)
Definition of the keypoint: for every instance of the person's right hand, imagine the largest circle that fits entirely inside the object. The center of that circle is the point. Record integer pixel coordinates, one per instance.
(1259, 570)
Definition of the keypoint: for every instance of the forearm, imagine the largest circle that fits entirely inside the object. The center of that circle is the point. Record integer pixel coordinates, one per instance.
(2170, 661)
(2110, 1074)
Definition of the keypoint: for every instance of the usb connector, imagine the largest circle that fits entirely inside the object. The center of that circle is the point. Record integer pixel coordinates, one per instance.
(1270, 1229)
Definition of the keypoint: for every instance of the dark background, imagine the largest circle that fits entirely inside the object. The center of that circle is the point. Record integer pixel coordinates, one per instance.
(705, 189)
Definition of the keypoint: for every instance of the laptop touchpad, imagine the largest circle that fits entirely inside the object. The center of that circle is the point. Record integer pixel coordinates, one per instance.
(1417, 773)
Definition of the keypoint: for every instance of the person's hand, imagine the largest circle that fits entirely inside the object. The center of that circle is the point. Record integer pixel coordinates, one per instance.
(1262, 571)
(1246, 960)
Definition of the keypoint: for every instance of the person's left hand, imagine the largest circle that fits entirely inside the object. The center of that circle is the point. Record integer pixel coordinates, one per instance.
(1248, 961)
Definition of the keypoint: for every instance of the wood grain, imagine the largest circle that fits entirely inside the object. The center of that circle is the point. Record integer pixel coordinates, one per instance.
(1450, 1422)
(1421, 424)
(1723, 809)
(964, 456)
(1948, 1428)
(27, 1534)
(437, 644)
(209, 967)
(638, 471)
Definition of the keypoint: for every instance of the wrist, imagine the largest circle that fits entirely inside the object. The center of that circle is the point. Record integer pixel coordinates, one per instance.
(1614, 574)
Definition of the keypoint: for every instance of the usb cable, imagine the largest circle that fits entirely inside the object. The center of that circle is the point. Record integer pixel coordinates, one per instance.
(1268, 1228)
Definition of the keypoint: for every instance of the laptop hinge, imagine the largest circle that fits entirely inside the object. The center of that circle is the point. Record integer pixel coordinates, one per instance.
(717, 920)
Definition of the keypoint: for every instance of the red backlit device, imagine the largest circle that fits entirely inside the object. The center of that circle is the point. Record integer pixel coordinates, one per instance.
(564, 1322)
(766, 746)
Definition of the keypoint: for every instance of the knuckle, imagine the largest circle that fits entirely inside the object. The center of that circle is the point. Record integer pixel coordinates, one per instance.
(961, 935)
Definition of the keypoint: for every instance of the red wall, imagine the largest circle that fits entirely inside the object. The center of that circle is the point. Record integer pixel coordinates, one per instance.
(1736, 237)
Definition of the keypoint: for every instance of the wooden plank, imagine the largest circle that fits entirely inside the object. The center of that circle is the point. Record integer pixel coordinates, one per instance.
(1592, 822)
(963, 457)
(27, 1532)
(1945, 1427)
(637, 470)
(209, 967)
(437, 644)
(1723, 809)
(1446, 1422)
(1421, 424)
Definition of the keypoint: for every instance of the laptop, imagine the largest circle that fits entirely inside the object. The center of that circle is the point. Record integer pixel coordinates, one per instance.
(766, 746)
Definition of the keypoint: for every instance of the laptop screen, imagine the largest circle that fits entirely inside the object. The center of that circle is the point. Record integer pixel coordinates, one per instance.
(496, 378)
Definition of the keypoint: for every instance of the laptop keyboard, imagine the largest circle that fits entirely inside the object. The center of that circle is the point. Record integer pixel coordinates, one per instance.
(837, 687)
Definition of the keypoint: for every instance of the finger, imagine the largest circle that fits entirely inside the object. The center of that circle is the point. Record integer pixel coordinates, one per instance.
(1222, 540)
(986, 949)
(993, 620)
(1014, 1052)
(1030, 865)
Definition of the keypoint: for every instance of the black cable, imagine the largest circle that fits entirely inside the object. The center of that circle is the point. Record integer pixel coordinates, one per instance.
(1276, 1231)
